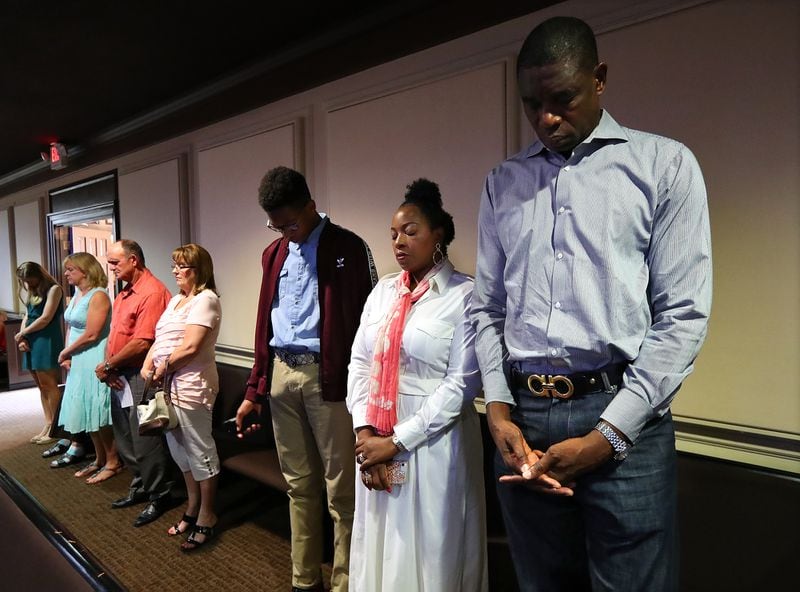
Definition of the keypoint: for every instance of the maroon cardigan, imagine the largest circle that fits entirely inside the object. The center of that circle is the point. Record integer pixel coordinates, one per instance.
(346, 275)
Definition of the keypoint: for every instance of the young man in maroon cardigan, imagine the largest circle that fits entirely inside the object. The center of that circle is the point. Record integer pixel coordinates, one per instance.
(316, 278)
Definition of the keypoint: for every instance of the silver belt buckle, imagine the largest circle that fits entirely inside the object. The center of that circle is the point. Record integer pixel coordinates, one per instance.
(547, 386)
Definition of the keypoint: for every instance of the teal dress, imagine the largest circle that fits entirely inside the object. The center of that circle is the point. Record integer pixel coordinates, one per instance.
(86, 406)
(46, 343)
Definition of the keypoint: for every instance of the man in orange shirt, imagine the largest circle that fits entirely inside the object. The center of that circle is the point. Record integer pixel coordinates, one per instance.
(136, 311)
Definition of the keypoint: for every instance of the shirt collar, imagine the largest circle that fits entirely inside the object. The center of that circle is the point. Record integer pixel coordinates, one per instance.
(607, 130)
(313, 239)
(440, 279)
(130, 288)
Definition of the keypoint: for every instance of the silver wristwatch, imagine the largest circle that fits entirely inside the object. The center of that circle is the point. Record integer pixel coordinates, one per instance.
(396, 441)
(619, 444)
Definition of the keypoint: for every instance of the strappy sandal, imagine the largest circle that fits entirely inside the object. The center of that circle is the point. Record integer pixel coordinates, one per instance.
(58, 448)
(66, 460)
(104, 474)
(88, 470)
(45, 432)
(191, 543)
(175, 529)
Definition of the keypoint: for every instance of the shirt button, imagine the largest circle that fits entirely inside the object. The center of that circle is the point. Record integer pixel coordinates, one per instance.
(558, 305)
(566, 168)
(554, 352)
(560, 256)
(562, 209)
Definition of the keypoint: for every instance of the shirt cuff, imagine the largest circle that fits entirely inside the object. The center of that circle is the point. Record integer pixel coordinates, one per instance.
(495, 388)
(628, 413)
(409, 434)
(256, 392)
(359, 418)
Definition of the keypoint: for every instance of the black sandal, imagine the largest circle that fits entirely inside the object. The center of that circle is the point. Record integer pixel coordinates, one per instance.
(190, 520)
(192, 543)
(57, 448)
(67, 460)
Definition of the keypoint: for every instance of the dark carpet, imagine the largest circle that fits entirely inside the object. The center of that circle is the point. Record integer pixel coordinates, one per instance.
(250, 550)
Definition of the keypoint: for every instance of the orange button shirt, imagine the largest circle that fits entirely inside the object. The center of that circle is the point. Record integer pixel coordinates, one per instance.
(136, 311)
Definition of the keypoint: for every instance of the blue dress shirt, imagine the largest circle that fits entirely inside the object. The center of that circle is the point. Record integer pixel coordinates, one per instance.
(601, 258)
(295, 308)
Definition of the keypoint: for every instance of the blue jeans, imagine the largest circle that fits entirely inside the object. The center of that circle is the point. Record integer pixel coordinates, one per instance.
(619, 530)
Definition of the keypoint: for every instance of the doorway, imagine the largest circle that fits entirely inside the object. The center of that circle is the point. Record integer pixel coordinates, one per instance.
(92, 230)
(83, 218)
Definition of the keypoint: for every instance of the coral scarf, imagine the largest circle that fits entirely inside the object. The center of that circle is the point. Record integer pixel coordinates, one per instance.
(385, 370)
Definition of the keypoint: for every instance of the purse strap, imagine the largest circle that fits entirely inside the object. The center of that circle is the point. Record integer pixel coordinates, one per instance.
(148, 385)
(168, 382)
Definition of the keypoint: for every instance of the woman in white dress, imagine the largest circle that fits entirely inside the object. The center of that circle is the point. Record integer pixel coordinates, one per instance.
(420, 511)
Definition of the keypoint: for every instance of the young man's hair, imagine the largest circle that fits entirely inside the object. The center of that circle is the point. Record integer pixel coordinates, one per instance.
(283, 187)
(561, 39)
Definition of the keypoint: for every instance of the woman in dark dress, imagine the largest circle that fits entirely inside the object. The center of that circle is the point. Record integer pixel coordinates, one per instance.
(41, 337)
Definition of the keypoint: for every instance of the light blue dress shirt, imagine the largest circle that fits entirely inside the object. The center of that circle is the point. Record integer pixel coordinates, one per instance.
(601, 258)
(295, 308)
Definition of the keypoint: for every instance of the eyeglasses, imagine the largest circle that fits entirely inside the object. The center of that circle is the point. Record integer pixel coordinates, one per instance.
(285, 228)
(180, 266)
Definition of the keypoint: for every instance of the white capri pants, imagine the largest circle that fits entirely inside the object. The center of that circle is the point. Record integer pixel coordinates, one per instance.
(192, 445)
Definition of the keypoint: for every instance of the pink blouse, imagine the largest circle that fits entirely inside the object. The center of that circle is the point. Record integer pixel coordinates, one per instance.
(196, 383)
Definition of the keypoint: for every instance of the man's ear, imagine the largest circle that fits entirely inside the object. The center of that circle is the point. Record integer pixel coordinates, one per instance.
(600, 74)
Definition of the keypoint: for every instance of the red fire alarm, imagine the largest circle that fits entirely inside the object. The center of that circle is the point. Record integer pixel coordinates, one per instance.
(59, 159)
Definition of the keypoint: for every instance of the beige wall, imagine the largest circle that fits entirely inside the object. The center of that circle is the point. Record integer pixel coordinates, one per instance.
(232, 226)
(28, 230)
(149, 211)
(720, 76)
(723, 78)
(378, 146)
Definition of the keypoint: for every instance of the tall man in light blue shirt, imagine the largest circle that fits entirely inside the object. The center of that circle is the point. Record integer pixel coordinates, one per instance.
(592, 296)
(295, 312)
(316, 278)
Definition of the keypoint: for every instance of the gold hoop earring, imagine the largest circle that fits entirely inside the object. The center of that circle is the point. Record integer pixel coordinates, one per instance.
(438, 251)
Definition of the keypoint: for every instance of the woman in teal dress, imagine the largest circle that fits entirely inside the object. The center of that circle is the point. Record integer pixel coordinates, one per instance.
(87, 401)
(41, 338)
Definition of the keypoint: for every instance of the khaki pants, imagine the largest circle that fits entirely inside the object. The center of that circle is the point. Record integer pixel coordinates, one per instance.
(315, 444)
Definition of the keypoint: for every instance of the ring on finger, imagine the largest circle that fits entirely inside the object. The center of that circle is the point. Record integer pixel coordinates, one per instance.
(360, 458)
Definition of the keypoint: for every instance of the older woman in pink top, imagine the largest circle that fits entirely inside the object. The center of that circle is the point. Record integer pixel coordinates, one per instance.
(184, 347)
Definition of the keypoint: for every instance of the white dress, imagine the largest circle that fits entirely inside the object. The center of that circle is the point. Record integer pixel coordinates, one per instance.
(428, 534)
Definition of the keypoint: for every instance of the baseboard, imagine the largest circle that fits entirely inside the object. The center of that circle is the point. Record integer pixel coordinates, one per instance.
(770, 449)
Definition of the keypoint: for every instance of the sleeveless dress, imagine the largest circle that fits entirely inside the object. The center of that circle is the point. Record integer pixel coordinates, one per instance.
(46, 343)
(86, 406)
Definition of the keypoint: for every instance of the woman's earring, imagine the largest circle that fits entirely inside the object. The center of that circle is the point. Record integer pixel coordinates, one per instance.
(438, 255)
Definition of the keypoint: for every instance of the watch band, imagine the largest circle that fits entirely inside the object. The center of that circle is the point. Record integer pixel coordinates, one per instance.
(620, 446)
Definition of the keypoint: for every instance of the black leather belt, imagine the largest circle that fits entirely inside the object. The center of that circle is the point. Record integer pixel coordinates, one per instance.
(564, 386)
(293, 360)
